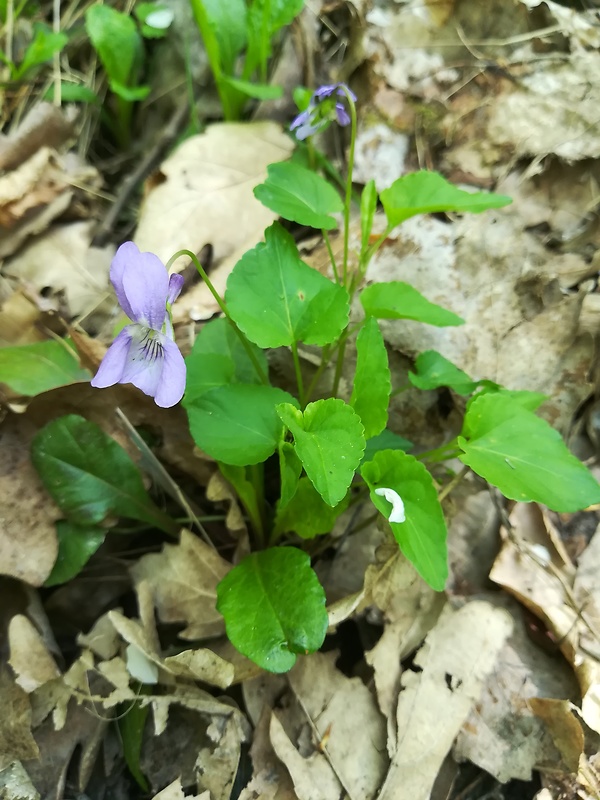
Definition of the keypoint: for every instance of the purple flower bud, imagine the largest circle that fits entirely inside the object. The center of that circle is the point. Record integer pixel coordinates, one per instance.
(321, 110)
(144, 353)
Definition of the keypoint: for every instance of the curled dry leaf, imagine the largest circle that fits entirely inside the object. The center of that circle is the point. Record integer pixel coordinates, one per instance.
(183, 579)
(29, 657)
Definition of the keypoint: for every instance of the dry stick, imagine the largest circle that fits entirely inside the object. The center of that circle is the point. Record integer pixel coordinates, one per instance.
(143, 169)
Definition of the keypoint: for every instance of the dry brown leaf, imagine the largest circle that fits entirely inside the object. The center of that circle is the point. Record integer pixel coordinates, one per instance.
(183, 579)
(411, 608)
(345, 722)
(456, 658)
(28, 543)
(489, 271)
(541, 581)
(564, 727)
(312, 776)
(63, 260)
(29, 657)
(15, 784)
(16, 740)
(524, 674)
(204, 195)
(45, 125)
(174, 791)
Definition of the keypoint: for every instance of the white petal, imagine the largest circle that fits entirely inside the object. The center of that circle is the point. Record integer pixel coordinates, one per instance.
(394, 498)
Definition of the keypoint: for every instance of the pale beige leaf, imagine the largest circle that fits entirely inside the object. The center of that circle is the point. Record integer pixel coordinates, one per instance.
(63, 260)
(342, 712)
(30, 659)
(15, 784)
(205, 195)
(183, 579)
(201, 665)
(16, 740)
(174, 791)
(457, 656)
(313, 778)
(28, 543)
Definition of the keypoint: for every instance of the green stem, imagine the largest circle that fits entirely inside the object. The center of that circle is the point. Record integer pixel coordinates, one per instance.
(348, 201)
(299, 379)
(401, 389)
(256, 474)
(264, 40)
(221, 303)
(339, 364)
(453, 483)
(443, 453)
(331, 256)
(211, 45)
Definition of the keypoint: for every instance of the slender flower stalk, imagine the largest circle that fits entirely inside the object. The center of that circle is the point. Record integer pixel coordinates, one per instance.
(144, 353)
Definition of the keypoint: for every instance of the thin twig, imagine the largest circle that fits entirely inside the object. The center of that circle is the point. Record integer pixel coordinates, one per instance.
(143, 169)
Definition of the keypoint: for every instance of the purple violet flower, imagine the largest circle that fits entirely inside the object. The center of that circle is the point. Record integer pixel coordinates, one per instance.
(323, 107)
(144, 353)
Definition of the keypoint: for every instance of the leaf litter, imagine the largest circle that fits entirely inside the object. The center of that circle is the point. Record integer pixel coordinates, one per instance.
(503, 673)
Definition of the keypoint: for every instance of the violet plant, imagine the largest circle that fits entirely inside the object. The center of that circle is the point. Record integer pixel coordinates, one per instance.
(298, 460)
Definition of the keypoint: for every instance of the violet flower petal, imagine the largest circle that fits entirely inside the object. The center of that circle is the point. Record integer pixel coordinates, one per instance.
(343, 117)
(302, 119)
(112, 365)
(171, 385)
(326, 90)
(176, 282)
(144, 360)
(146, 286)
(126, 254)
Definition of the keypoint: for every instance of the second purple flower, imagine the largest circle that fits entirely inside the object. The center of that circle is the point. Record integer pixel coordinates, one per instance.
(325, 106)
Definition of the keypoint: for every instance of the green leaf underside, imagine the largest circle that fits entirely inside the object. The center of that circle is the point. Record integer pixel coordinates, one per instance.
(523, 397)
(428, 192)
(422, 537)
(76, 545)
(265, 18)
(228, 21)
(90, 476)
(277, 299)
(368, 206)
(434, 370)
(274, 607)
(259, 91)
(307, 514)
(299, 195)
(329, 441)
(399, 300)
(386, 440)
(290, 468)
(237, 424)
(521, 454)
(372, 380)
(116, 39)
(219, 358)
(31, 369)
(41, 49)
